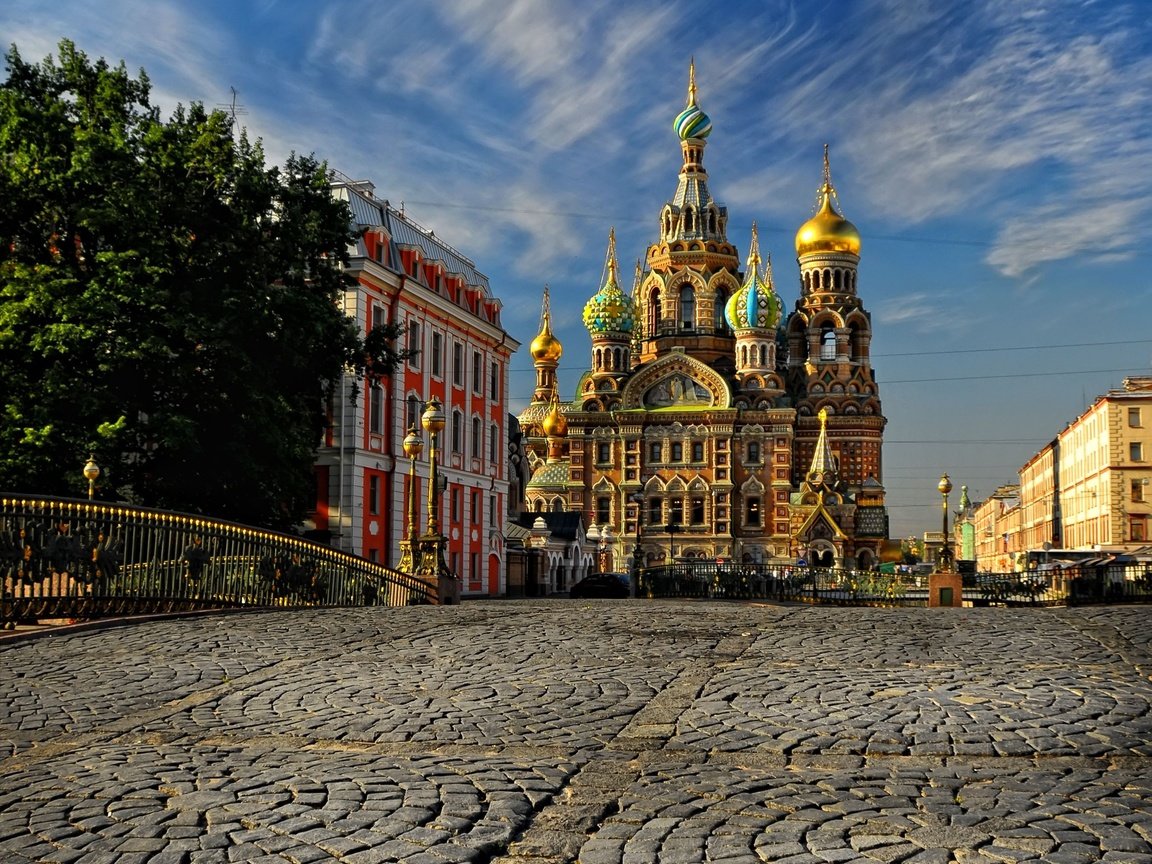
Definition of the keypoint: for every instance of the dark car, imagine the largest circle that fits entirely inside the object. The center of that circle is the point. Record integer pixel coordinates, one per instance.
(599, 585)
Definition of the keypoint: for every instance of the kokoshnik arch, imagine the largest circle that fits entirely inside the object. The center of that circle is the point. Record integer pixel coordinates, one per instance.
(712, 424)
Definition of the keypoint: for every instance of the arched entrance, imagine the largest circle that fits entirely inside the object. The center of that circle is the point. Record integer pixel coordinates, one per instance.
(821, 554)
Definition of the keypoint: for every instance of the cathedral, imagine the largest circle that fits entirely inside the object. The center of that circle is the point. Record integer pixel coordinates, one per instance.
(712, 423)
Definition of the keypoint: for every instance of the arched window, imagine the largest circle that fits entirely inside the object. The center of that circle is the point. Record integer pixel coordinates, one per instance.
(687, 307)
(827, 343)
(718, 322)
(654, 312)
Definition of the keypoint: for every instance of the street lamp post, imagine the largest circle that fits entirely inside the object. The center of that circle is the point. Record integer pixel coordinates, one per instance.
(91, 472)
(432, 567)
(413, 448)
(945, 486)
(433, 423)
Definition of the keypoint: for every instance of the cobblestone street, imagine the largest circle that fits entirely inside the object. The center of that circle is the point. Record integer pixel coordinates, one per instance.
(604, 732)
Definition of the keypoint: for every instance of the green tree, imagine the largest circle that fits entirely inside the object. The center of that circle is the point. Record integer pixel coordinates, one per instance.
(166, 300)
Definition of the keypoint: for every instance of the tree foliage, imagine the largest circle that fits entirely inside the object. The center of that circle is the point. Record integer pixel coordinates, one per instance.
(167, 301)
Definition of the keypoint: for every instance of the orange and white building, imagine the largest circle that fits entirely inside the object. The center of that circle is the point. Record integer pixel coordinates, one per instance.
(406, 275)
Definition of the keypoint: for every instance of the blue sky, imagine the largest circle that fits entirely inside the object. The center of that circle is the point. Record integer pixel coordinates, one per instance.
(995, 156)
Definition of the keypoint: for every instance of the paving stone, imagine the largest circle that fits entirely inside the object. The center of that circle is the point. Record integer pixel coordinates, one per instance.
(634, 732)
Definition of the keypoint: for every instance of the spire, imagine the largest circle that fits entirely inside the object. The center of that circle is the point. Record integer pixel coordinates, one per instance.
(610, 262)
(823, 470)
(691, 82)
(754, 251)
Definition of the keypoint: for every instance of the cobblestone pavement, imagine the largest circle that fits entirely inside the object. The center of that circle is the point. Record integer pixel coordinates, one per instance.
(602, 732)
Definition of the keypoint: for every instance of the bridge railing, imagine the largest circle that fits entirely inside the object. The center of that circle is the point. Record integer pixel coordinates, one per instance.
(63, 558)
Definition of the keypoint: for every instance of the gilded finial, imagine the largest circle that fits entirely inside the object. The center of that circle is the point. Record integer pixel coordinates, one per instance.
(823, 415)
(768, 268)
(637, 277)
(692, 82)
(545, 311)
(612, 266)
(754, 251)
(827, 169)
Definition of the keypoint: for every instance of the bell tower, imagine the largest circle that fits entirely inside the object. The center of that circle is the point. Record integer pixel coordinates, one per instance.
(829, 336)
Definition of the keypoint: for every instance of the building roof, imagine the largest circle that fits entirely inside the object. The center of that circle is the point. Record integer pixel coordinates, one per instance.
(563, 525)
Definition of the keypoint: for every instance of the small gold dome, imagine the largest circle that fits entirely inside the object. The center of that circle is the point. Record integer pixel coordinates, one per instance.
(555, 425)
(827, 231)
(546, 348)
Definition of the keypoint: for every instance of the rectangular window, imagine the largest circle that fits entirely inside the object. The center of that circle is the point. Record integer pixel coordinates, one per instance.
(412, 414)
(457, 432)
(477, 379)
(1136, 451)
(457, 504)
(656, 512)
(753, 451)
(697, 451)
(476, 514)
(697, 510)
(477, 438)
(1134, 418)
(415, 343)
(457, 364)
(603, 510)
(655, 452)
(374, 495)
(752, 515)
(492, 510)
(603, 452)
(377, 319)
(437, 355)
(1137, 529)
(676, 512)
(475, 575)
(494, 382)
(1138, 490)
(376, 409)
(677, 452)
(493, 444)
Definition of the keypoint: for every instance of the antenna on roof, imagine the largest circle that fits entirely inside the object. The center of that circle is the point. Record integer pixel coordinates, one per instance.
(233, 108)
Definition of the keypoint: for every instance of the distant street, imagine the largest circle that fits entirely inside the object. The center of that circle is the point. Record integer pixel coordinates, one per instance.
(604, 732)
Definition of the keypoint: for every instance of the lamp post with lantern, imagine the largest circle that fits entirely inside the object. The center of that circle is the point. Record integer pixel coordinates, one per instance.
(91, 473)
(433, 568)
(413, 448)
(945, 564)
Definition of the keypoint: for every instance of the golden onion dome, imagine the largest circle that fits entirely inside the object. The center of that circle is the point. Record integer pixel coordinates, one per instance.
(827, 231)
(546, 348)
(555, 425)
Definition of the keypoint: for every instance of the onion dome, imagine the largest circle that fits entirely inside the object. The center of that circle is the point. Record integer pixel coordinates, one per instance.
(546, 348)
(827, 231)
(756, 304)
(692, 122)
(555, 424)
(610, 311)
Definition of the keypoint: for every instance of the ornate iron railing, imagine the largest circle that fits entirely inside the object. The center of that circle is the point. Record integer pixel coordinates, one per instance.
(1093, 583)
(63, 558)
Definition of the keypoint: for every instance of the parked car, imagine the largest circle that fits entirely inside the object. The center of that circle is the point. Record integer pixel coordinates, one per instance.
(601, 585)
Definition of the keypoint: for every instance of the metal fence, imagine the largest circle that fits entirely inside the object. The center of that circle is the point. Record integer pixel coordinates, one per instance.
(62, 558)
(1112, 583)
